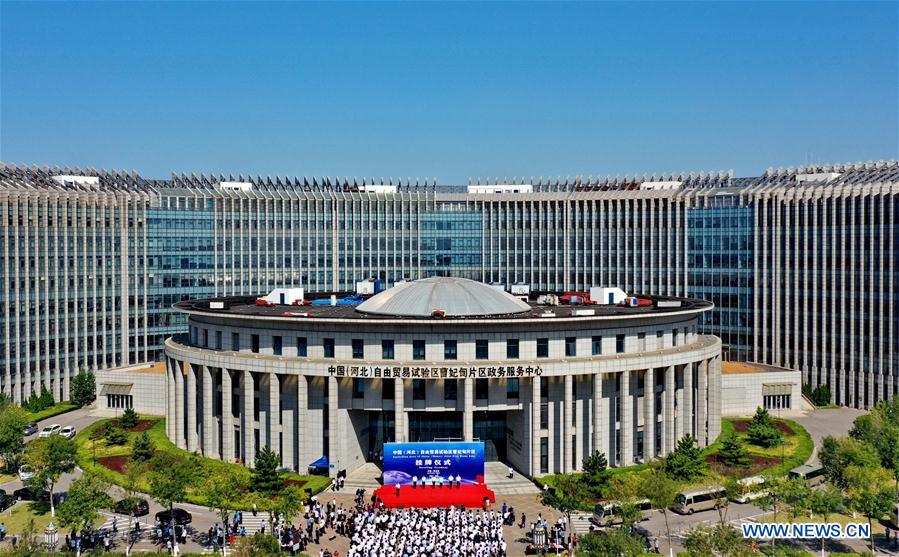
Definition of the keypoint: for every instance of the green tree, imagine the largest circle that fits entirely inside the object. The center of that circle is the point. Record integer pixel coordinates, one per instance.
(36, 402)
(221, 490)
(84, 388)
(837, 455)
(129, 419)
(12, 437)
(868, 494)
(733, 452)
(596, 473)
(616, 541)
(266, 479)
(143, 447)
(685, 463)
(87, 496)
(712, 541)
(821, 395)
(826, 502)
(625, 489)
(661, 489)
(50, 457)
(115, 436)
(170, 479)
(289, 503)
(566, 496)
(762, 430)
(880, 430)
(133, 474)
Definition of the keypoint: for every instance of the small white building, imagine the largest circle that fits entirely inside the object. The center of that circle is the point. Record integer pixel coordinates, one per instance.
(141, 387)
(746, 386)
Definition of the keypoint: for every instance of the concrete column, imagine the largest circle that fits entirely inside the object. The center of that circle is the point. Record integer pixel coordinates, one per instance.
(302, 433)
(567, 414)
(170, 418)
(714, 399)
(274, 413)
(248, 418)
(288, 432)
(227, 417)
(179, 406)
(192, 437)
(668, 416)
(208, 422)
(688, 421)
(468, 410)
(649, 415)
(607, 422)
(334, 433)
(597, 413)
(399, 404)
(535, 426)
(702, 396)
(627, 420)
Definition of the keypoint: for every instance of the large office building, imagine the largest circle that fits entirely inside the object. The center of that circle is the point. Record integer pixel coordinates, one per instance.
(801, 263)
(439, 359)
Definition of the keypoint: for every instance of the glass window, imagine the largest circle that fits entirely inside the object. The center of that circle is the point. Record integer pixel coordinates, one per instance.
(235, 342)
(328, 345)
(543, 348)
(596, 345)
(358, 388)
(218, 340)
(254, 343)
(276, 345)
(544, 455)
(570, 346)
(206, 338)
(619, 344)
(481, 388)
(358, 349)
(512, 348)
(481, 349)
(387, 389)
(387, 349)
(512, 388)
(449, 350)
(302, 347)
(450, 389)
(641, 341)
(418, 350)
(418, 389)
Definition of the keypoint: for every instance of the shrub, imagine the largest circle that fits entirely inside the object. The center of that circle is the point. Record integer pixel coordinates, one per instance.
(39, 402)
(115, 436)
(266, 479)
(762, 431)
(84, 388)
(142, 448)
(685, 461)
(128, 419)
(732, 452)
(596, 473)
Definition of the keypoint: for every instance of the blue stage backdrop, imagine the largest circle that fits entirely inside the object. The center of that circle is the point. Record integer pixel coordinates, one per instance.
(402, 461)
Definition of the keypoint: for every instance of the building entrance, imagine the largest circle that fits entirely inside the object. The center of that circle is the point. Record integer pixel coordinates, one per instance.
(380, 430)
(490, 427)
(435, 426)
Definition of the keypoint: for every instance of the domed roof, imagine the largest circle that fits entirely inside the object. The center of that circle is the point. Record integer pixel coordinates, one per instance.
(457, 297)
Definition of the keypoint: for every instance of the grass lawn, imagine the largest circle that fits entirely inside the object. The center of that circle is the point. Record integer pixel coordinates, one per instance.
(89, 450)
(795, 451)
(17, 517)
(55, 410)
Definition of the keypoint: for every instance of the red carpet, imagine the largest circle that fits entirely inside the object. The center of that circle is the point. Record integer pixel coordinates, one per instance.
(469, 496)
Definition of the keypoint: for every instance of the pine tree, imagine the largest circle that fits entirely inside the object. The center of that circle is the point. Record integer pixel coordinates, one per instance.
(762, 430)
(128, 419)
(266, 479)
(685, 462)
(596, 473)
(732, 452)
(142, 447)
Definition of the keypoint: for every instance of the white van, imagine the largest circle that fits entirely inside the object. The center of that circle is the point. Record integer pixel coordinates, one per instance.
(703, 499)
(754, 489)
(608, 513)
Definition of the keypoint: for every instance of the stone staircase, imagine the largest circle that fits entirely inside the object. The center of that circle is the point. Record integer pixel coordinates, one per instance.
(367, 477)
(497, 478)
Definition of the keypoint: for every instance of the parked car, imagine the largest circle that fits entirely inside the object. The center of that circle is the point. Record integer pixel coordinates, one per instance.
(50, 430)
(68, 432)
(30, 429)
(25, 472)
(6, 501)
(139, 507)
(182, 517)
(28, 494)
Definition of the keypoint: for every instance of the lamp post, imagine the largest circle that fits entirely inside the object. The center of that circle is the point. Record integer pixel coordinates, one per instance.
(51, 536)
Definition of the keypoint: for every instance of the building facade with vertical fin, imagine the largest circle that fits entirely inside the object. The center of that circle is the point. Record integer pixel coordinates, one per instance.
(800, 263)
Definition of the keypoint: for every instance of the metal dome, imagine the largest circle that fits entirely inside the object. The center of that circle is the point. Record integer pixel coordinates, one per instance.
(456, 297)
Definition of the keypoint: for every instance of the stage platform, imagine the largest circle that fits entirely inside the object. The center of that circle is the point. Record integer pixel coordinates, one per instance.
(468, 496)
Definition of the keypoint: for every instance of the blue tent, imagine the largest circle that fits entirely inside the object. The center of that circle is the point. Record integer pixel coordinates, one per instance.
(320, 463)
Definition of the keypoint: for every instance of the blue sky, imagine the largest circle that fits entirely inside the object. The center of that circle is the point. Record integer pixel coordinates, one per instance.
(448, 90)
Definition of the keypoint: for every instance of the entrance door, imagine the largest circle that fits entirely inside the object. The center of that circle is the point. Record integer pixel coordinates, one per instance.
(380, 431)
(490, 427)
(430, 426)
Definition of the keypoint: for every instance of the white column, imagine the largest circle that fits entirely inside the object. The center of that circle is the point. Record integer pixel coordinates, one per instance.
(701, 401)
(627, 420)
(607, 425)
(334, 439)
(567, 413)
(302, 433)
(668, 415)
(247, 425)
(192, 437)
(399, 405)
(179, 406)
(227, 417)
(649, 414)
(208, 426)
(535, 426)
(468, 410)
(597, 414)
(170, 418)
(714, 399)
(688, 420)
(274, 413)
(288, 458)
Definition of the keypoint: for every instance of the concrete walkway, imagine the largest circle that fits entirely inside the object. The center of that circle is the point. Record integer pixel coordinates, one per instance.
(827, 421)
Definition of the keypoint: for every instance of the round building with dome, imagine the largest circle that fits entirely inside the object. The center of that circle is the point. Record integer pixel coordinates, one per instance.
(441, 359)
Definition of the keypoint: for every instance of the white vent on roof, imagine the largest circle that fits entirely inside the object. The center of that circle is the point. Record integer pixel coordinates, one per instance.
(501, 188)
(817, 177)
(661, 185)
(377, 188)
(80, 180)
(237, 186)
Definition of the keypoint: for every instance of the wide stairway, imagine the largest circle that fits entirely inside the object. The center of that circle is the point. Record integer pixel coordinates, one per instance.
(497, 478)
(367, 477)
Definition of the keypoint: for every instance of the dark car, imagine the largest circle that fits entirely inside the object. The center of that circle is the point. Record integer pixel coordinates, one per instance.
(139, 507)
(30, 429)
(28, 494)
(182, 517)
(6, 501)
